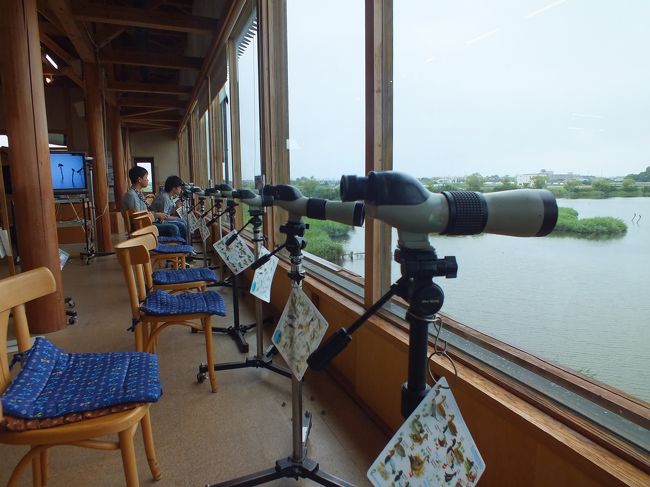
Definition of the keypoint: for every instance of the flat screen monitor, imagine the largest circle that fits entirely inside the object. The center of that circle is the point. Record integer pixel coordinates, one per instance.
(68, 172)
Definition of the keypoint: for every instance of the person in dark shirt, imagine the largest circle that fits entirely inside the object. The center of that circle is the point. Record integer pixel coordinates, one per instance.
(163, 203)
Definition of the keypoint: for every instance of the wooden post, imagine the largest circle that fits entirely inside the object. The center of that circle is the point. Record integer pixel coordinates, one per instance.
(97, 148)
(29, 157)
(379, 137)
(274, 96)
(128, 156)
(119, 173)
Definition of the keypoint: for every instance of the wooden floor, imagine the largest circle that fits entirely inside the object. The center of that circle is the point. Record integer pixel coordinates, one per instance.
(201, 437)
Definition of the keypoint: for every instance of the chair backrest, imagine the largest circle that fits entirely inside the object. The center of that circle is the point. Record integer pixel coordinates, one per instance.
(140, 221)
(126, 216)
(133, 255)
(148, 230)
(15, 291)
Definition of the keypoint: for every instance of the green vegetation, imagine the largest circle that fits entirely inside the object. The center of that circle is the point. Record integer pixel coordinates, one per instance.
(324, 239)
(600, 227)
(314, 188)
(643, 176)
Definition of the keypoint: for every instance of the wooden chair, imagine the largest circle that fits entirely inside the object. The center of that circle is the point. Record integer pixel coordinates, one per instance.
(129, 215)
(141, 219)
(134, 258)
(173, 280)
(165, 252)
(14, 293)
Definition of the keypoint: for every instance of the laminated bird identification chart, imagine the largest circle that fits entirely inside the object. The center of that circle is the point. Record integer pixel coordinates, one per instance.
(237, 255)
(205, 231)
(193, 222)
(181, 211)
(299, 331)
(263, 279)
(432, 448)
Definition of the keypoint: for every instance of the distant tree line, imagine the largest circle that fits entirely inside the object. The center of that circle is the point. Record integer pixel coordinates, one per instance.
(642, 177)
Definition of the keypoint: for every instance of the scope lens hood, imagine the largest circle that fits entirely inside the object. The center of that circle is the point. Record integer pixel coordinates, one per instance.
(223, 187)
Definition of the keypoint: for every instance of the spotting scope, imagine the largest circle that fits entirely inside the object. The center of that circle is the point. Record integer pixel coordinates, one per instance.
(225, 190)
(252, 199)
(292, 200)
(401, 201)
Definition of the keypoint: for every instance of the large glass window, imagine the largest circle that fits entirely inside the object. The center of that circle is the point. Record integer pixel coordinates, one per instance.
(226, 153)
(538, 94)
(326, 114)
(249, 100)
(208, 152)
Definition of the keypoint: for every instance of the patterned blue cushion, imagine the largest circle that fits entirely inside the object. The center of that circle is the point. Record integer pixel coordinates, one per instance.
(161, 303)
(173, 276)
(53, 383)
(174, 249)
(163, 239)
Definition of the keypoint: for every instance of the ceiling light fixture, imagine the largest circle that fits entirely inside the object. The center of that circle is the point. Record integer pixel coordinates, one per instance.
(51, 61)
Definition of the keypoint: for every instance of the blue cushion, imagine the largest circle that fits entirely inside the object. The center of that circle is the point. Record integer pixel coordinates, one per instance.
(161, 303)
(174, 249)
(53, 383)
(163, 239)
(180, 276)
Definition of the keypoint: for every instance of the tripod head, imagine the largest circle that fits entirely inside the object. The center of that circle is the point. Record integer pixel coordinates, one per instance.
(292, 200)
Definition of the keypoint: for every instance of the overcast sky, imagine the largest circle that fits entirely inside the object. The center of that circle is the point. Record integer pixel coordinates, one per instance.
(495, 87)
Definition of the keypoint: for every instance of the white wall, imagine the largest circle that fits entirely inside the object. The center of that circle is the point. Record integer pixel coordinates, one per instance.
(163, 147)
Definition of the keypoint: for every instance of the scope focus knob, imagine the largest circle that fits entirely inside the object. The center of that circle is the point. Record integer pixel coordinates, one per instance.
(449, 267)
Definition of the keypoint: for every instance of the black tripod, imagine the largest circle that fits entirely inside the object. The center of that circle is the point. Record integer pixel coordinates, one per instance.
(418, 266)
(298, 465)
(261, 359)
(236, 331)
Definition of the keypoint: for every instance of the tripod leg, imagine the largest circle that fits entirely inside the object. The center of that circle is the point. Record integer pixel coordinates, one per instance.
(327, 479)
(252, 479)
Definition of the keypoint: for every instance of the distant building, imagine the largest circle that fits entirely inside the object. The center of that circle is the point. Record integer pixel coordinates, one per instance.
(450, 180)
(525, 179)
(551, 177)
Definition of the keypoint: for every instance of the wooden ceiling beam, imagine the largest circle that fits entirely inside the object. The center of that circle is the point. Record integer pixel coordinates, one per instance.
(151, 102)
(127, 116)
(156, 60)
(71, 74)
(138, 17)
(53, 46)
(139, 123)
(71, 71)
(159, 117)
(44, 9)
(74, 31)
(136, 87)
(49, 28)
(106, 33)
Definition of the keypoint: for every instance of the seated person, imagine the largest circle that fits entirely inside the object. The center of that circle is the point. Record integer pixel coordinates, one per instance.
(163, 203)
(134, 199)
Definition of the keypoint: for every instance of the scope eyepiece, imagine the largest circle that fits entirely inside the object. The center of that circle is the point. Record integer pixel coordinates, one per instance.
(212, 192)
(223, 187)
(354, 188)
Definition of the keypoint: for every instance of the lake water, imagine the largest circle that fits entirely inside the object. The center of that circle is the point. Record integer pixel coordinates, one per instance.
(584, 304)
